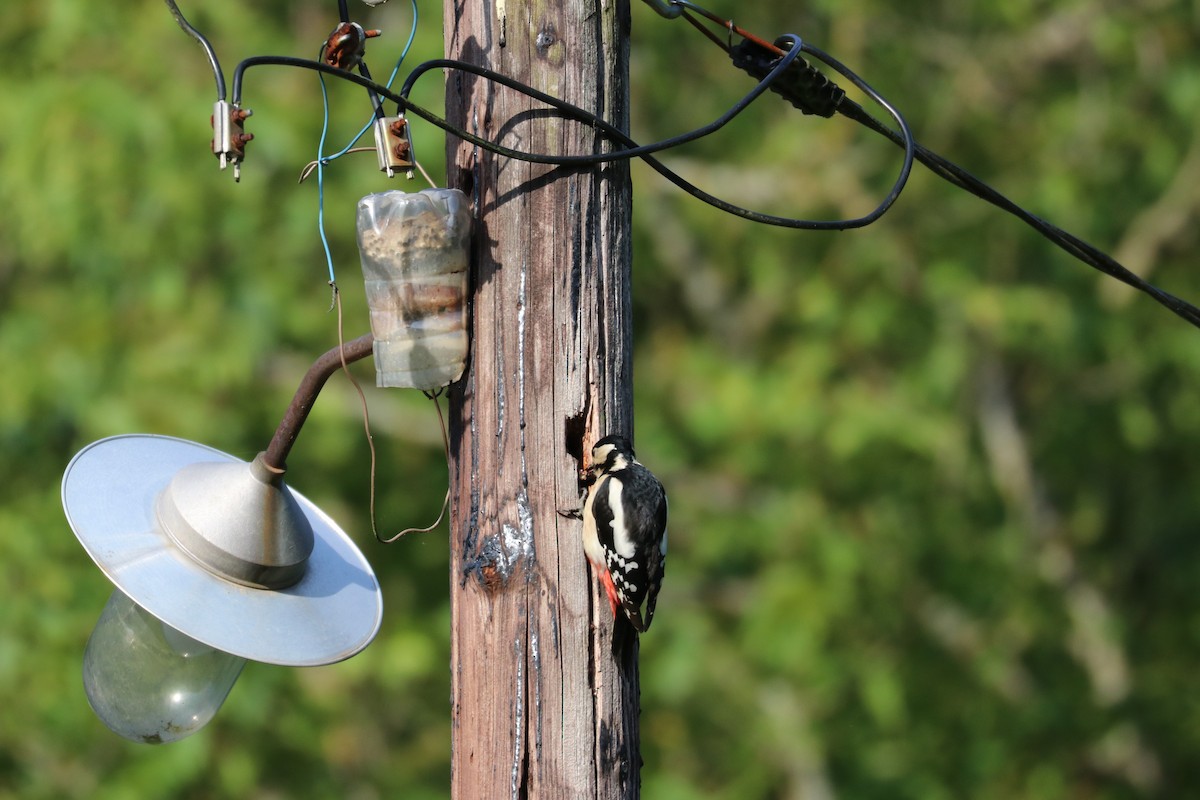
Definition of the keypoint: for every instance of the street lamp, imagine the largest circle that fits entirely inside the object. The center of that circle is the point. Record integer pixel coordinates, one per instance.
(215, 561)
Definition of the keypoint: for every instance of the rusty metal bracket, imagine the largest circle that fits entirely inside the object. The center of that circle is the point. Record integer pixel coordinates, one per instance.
(393, 145)
(297, 412)
(229, 135)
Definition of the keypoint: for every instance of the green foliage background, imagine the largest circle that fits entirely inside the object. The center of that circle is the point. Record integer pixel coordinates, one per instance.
(933, 509)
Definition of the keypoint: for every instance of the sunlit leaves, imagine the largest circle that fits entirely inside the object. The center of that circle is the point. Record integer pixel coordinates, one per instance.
(926, 478)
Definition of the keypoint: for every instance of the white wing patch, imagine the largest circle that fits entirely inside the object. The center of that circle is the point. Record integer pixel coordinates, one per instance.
(591, 543)
(620, 558)
(621, 541)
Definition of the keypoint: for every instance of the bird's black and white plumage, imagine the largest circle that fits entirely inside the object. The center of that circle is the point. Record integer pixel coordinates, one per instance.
(625, 529)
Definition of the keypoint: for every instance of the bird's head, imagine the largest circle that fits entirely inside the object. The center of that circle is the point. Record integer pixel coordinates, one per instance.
(610, 454)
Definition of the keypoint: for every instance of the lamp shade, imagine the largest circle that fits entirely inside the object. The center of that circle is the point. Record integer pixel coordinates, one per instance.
(111, 493)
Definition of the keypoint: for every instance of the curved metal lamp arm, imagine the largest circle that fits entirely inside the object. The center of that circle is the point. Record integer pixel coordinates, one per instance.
(297, 412)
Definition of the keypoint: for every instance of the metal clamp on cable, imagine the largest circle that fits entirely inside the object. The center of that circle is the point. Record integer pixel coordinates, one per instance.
(665, 8)
(229, 135)
(393, 145)
(347, 45)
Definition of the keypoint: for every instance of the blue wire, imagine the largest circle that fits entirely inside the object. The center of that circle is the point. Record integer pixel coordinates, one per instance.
(391, 79)
(321, 180)
(322, 159)
(408, 46)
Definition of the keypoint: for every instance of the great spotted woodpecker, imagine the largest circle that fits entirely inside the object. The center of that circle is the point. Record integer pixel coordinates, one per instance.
(625, 529)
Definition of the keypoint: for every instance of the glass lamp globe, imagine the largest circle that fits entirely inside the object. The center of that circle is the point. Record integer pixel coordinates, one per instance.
(215, 562)
(150, 682)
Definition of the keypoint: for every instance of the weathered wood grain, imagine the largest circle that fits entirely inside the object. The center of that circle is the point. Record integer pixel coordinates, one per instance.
(541, 706)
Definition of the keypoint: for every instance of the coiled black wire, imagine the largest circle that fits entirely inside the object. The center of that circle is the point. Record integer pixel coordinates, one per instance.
(786, 74)
(629, 148)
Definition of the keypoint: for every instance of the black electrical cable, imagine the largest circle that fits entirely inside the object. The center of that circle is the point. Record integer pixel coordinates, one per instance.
(401, 102)
(695, 23)
(630, 148)
(804, 86)
(631, 151)
(376, 103)
(1068, 242)
(208, 49)
(809, 91)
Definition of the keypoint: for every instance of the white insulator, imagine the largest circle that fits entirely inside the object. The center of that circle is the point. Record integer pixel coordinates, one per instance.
(415, 250)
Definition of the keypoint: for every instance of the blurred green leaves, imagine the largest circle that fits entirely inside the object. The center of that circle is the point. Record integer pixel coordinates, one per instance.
(933, 522)
(920, 473)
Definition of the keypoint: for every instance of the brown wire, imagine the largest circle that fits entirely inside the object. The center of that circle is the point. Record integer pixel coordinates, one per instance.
(312, 165)
(726, 24)
(362, 397)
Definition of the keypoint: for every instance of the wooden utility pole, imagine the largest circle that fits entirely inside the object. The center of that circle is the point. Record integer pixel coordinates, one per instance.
(541, 707)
